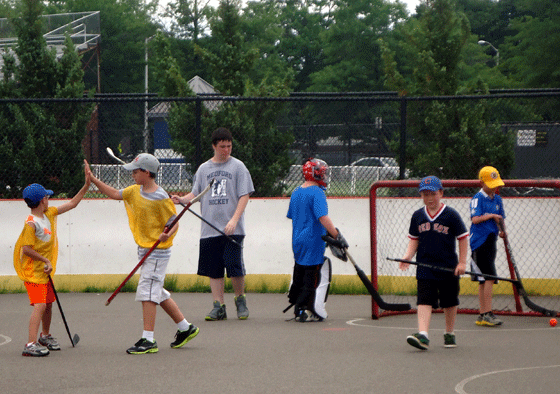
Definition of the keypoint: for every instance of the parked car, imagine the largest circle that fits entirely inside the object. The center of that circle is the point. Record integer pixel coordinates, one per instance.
(374, 169)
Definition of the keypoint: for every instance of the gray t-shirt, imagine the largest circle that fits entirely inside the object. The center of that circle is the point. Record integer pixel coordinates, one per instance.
(233, 181)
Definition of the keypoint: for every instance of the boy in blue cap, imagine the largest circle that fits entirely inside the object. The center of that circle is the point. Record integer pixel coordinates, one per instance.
(35, 256)
(432, 235)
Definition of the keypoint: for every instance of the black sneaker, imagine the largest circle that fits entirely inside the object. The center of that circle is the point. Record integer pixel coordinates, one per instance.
(182, 337)
(143, 346)
(301, 316)
(419, 341)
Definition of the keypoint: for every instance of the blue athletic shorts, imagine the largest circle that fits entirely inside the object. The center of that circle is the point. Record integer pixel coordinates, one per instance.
(218, 254)
(430, 291)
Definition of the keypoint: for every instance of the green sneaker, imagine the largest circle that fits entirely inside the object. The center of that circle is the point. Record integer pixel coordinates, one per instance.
(241, 304)
(217, 313)
(143, 346)
(449, 340)
(418, 341)
(182, 337)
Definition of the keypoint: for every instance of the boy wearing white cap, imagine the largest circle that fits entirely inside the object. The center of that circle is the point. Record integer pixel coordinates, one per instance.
(150, 211)
(35, 256)
(487, 209)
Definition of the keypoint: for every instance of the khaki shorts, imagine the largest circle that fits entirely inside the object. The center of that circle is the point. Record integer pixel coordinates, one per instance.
(152, 276)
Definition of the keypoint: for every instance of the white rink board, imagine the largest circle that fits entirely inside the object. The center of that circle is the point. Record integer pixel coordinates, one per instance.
(94, 238)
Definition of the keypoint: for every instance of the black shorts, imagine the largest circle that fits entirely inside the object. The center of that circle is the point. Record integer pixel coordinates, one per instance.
(446, 291)
(218, 254)
(484, 259)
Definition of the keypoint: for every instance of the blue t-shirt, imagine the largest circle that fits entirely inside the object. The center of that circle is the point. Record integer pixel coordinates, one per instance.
(307, 205)
(482, 204)
(436, 237)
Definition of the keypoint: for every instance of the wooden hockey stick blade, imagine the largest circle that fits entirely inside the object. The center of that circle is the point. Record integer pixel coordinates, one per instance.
(375, 295)
(72, 340)
(196, 199)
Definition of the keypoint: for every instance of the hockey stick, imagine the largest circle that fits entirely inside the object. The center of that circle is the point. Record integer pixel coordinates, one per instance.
(76, 338)
(196, 199)
(447, 269)
(516, 282)
(369, 286)
(214, 227)
(110, 152)
(519, 285)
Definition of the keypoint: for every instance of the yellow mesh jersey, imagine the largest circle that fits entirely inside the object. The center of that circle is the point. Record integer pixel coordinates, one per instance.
(44, 241)
(147, 218)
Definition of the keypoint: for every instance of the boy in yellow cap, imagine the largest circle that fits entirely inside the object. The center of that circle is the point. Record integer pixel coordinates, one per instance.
(486, 210)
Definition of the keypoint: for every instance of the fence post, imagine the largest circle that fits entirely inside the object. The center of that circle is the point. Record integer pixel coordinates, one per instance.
(198, 132)
(402, 161)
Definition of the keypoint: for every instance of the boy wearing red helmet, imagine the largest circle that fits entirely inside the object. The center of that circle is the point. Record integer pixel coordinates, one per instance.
(312, 270)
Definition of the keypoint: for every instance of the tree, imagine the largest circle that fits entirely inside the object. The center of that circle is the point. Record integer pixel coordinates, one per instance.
(532, 55)
(256, 141)
(356, 67)
(41, 142)
(448, 138)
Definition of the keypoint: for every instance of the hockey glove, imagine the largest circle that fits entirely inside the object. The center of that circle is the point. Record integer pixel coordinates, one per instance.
(337, 246)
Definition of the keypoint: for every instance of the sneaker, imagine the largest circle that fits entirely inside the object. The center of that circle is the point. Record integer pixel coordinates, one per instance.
(49, 342)
(218, 312)
(488, 319)
(449, 340)
(241, 304)
(418, 341)
(143, 346)
(182, 337)
(315, 317)
(34, 349)
(301, 316)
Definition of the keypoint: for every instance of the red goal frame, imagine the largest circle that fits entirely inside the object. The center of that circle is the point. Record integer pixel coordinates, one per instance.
(524, 183)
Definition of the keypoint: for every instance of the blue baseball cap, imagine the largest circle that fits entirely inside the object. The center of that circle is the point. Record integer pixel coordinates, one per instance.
(35, 193)
(430, 183)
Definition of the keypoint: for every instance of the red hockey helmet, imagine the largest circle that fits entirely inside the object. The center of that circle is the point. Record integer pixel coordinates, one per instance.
(317, 170)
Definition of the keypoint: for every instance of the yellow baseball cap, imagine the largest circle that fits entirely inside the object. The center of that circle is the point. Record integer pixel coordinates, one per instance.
(491, 177)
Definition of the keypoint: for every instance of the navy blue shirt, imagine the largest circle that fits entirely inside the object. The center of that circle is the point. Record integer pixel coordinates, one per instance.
(436, 237)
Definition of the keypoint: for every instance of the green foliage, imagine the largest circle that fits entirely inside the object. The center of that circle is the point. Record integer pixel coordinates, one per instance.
(451, 139)
(41, 142)
(256, 140)
(532, 55)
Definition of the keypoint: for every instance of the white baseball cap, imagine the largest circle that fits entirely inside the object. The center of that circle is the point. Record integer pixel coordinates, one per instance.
(143, 161)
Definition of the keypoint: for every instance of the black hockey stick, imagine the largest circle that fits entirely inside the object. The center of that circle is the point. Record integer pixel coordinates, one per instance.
(447, 269)
(516, 282)
(110, 152)
(74, 340)
(376, 297)
(519, 285)
(214, 227)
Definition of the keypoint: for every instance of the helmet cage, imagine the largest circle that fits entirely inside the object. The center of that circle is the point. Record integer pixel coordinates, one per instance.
(317, 170)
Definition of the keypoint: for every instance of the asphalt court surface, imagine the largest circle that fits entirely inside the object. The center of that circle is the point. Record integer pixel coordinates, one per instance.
(348, 353)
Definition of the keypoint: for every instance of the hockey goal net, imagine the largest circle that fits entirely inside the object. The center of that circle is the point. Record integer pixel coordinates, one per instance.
(532, 210)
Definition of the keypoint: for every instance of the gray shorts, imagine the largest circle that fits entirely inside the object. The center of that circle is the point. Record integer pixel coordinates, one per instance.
(152, 276)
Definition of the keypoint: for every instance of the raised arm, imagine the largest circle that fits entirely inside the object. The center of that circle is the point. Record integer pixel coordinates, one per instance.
(109, 191)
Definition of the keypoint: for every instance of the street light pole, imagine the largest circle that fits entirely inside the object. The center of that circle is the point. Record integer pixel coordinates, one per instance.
(486, 43)
(146, 131)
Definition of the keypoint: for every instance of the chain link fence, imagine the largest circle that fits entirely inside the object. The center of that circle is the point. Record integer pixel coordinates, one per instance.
(363, 137)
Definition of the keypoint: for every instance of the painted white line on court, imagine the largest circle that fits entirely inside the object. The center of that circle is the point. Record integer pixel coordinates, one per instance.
(5, 339)
(460, 387)
(355, 322)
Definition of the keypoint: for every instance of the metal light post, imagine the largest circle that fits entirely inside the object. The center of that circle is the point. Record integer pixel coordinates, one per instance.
(146, 131)
(486, 43)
